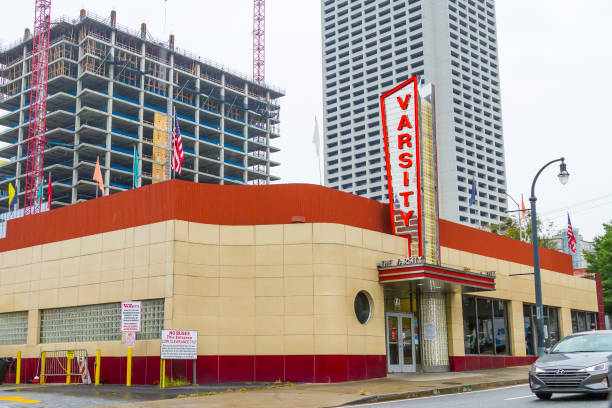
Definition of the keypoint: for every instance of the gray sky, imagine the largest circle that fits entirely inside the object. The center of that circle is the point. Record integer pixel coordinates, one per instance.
(555, 63)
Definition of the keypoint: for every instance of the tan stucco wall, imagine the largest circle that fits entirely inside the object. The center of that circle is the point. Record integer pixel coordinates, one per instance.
(266, 289)
(280, 289)
(273, 289)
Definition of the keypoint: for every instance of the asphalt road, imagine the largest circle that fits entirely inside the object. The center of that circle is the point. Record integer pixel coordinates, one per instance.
(512, 397)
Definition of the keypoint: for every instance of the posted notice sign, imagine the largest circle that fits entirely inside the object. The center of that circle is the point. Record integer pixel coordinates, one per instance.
(179, 344)
(130, 316)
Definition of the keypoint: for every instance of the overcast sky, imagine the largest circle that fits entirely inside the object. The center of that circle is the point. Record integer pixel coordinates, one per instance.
(555, 63)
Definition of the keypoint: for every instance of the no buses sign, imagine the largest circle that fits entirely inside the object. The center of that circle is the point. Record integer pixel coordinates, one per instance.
(179, 345)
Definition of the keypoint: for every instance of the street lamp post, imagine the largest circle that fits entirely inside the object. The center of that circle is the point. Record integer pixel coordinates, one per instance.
(520, 224)
(563, 178)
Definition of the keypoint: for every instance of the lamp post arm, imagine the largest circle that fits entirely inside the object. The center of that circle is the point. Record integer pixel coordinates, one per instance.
(517, 204)
(538, 175)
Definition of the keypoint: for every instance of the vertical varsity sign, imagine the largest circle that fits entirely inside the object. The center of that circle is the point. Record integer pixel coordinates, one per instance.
(400, 122)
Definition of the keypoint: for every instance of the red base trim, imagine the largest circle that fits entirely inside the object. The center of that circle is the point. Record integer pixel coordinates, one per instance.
(468, 363)
(220, 369)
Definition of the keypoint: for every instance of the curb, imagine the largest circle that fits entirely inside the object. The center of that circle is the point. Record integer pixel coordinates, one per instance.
(434, 391)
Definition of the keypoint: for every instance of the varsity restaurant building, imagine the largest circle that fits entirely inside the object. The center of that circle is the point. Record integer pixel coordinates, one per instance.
(291, 282)
(287, 282)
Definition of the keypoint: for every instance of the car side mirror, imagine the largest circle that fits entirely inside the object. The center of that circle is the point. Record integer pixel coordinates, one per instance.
(547, 350)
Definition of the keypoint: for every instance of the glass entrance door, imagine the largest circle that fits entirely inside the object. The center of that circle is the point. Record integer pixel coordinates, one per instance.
(400, 343)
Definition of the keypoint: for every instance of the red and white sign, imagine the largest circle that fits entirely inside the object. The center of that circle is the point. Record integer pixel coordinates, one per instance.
(400, 121)
(179, 345)
(130, 316)
(130, 339)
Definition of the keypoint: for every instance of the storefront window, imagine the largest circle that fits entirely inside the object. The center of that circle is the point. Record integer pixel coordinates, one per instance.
(484, 309)
(485, 326)
(469, 325)
(501, 328)
(583, 321)
(550, 319)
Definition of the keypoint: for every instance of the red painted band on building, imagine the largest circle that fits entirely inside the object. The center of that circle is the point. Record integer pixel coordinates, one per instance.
(220, 369)
(250, 205)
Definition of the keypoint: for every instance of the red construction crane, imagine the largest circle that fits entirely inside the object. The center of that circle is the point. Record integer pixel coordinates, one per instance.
(38, 106)
(259, 40)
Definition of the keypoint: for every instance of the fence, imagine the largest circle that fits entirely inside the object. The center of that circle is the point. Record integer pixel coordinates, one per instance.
(64, 363)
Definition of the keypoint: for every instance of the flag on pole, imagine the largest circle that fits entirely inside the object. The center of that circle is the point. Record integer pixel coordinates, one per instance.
(11, 193)
(40, 192)
(316, 139)
(136, 169)
(473, 193)
(49, 191)
(177, 146)
(97, 176)
(523, 211)
(571, 239)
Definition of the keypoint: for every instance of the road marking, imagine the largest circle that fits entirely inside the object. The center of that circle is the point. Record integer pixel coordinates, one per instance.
(446, 395)
(524, 396)
(19, 399)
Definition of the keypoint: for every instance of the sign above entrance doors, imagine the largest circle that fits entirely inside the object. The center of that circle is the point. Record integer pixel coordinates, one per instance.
(392, 263)
(400, 125)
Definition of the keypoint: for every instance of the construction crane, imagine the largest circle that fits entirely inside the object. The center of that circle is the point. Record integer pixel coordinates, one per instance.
(259, 66)
(259, 41)
(38, 106)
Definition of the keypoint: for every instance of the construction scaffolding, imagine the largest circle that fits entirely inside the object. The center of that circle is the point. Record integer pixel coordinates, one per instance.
(113, 89)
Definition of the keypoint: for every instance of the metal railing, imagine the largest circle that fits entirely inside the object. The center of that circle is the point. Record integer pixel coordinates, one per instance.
(64, 363)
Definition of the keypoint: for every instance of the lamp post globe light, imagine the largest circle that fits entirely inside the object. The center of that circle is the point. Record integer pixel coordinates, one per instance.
(563, 178)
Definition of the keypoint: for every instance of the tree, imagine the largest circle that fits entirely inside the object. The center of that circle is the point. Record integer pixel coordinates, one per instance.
(510, 228)
(600, 262)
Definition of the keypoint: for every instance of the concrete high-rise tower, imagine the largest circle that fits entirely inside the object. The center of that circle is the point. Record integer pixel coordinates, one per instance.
(369, 46)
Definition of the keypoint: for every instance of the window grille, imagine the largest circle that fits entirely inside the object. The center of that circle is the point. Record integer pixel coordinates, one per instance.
(13, 328)
(97, 322)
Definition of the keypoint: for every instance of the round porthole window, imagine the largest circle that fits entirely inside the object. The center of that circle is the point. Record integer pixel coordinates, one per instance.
(363, 307)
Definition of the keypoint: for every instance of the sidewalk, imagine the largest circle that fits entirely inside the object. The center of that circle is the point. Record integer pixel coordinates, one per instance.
(394, 387)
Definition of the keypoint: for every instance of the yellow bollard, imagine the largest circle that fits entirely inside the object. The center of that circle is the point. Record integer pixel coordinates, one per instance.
(163, 373)
(18, 369)
(97, 374)
(43, 357)
(128, 377)
(69, 357)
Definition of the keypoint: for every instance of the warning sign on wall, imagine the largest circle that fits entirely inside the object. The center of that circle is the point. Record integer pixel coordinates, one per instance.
(130, 316)
(179, 344)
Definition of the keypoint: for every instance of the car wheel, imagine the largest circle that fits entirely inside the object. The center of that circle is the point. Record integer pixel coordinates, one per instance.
(544, 395)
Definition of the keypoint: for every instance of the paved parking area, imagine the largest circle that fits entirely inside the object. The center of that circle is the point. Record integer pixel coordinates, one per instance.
(82, 396)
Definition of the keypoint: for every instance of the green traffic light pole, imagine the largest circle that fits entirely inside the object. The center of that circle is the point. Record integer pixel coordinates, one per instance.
(563, 178)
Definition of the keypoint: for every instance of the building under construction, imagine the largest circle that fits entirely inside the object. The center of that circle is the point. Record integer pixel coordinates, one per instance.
(111, 90)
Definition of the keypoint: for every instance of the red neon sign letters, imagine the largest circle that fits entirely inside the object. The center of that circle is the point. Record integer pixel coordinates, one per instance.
(400, 121)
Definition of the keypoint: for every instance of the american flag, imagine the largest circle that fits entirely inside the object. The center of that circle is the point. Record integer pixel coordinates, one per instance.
(571, 239)
(177, 146)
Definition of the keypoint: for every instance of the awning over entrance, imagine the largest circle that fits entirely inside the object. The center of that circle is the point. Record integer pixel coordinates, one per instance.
(434, 276)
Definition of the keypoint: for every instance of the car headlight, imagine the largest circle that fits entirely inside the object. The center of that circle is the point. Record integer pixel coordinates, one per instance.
(598, 367)
(536, 369)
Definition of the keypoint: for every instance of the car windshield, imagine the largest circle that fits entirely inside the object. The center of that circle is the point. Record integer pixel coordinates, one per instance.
(584, 342)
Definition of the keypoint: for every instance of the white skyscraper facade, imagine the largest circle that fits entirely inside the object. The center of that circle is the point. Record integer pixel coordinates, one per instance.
(369, 46)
